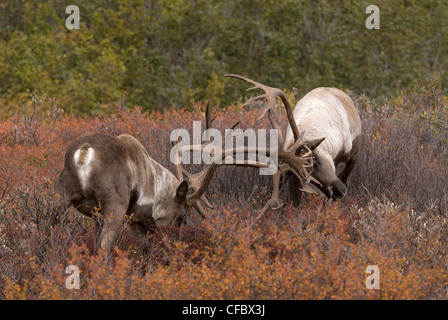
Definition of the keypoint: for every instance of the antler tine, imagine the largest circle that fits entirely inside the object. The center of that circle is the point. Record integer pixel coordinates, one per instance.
(251, 100)
(200, 181)
(197, 181)
(208, 117)
(256, 84)
(305, 159)
(271, 94)
(180, 170)
(200, 209)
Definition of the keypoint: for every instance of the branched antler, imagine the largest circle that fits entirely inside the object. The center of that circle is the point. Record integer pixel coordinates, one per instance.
(270, 94)
(301, 165)
(199, 182)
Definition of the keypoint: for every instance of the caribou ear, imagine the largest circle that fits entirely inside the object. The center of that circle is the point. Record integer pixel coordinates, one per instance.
(182, 191)
(313, 144)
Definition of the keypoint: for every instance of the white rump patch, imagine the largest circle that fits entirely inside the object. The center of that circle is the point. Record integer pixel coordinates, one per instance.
(83, 159)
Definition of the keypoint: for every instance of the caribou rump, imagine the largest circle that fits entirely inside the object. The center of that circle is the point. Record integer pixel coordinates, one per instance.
(115, 177)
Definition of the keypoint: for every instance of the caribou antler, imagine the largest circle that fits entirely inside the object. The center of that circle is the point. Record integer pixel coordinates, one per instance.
(301, 165)
(297, 163)
(199, 182)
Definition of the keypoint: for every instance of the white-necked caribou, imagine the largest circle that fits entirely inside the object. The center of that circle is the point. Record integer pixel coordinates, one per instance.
(324, 124)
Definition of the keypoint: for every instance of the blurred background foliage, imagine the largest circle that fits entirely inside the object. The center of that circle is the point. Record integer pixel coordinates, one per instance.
(160, 53)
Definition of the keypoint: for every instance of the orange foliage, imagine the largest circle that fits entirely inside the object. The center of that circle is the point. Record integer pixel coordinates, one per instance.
(318, 251)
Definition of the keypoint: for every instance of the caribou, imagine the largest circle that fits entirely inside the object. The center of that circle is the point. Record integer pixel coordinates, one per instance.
(114, 180)
(108, 178)
(324, 125)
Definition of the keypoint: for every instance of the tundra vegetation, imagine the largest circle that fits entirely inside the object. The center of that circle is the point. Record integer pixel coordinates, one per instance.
(146, 69)
(395, 215)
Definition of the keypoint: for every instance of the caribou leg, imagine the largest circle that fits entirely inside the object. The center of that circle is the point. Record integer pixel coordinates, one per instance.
(351, 162)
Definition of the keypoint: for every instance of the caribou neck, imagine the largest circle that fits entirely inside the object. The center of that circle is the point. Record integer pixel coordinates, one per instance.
(165, 182)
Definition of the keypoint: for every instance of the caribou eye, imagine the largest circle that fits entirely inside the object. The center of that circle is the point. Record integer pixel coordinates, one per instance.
(314, 157)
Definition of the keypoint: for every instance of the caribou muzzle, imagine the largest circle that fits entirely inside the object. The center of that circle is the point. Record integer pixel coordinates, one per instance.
(335, 190)
(338, 189)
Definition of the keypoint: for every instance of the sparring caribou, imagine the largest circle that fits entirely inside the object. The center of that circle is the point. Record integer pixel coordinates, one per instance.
(324, 124)
(107, 178)
(113, 180)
